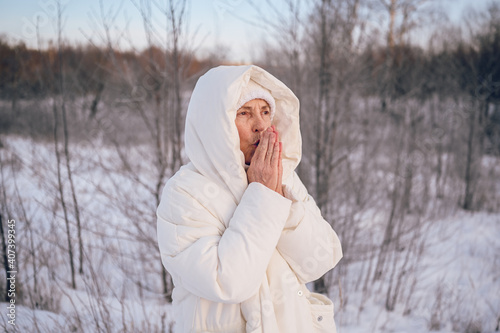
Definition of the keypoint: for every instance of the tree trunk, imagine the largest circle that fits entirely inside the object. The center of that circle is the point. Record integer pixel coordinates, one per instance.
(167, 284)
(61, 195)
(469, 167)
(66, 140)
(392, 19)
(97, 98)
(391, 224)
(410, 163)
(322, 126)
(176, 20)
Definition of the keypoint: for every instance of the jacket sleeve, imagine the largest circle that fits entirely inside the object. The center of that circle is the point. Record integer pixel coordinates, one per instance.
(221, 265)
(308, 243)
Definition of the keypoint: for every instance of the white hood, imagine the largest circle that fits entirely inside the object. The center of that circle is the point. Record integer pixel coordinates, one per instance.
(211, 137)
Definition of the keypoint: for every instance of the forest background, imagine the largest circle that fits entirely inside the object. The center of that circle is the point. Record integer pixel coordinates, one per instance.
(400, 118)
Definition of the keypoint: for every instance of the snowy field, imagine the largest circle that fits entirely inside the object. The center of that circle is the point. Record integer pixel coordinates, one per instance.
(452, 285)
(457, 288)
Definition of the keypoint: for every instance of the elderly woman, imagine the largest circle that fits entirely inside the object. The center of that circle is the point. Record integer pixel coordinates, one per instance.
(237, 229)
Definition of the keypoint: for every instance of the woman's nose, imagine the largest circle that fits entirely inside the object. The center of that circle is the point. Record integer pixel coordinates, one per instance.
(259, 124)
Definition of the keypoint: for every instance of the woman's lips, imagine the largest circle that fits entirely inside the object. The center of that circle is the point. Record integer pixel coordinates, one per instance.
(256, 143)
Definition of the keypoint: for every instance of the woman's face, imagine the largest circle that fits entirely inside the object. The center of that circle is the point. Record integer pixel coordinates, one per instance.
(253, 118)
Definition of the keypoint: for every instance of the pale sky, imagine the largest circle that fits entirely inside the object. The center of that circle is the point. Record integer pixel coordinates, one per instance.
(211, 23)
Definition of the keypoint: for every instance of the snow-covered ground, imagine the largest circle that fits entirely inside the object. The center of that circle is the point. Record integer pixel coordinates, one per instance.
(454, 286)
(458, 283)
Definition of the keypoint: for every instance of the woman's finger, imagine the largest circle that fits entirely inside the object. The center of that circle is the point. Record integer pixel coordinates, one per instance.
(276, 156)
(280, 164)
(261, 151)
(270, 145)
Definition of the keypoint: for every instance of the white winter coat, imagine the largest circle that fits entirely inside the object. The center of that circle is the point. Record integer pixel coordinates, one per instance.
(240, 254)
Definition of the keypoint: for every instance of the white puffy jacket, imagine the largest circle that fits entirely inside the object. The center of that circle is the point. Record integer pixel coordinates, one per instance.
(240, 254)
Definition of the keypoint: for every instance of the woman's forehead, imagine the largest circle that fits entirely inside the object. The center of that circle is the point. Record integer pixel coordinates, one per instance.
(255, 103)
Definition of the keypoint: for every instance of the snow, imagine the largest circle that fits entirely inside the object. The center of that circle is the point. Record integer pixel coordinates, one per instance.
(87, 314)
(457, 274)
(458, 282)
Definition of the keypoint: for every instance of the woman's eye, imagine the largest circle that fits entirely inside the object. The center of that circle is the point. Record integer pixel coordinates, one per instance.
(266, 112)
(243, 113)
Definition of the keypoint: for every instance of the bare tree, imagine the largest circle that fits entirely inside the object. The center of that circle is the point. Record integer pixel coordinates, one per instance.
(157, 89)
(62, 199)
(67, 155)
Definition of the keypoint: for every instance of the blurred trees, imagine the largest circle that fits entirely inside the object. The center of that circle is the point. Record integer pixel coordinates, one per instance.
(132, 101)
(479, 79)
(395, 133)
(91, 77)
(391, 124)
(23, 70)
